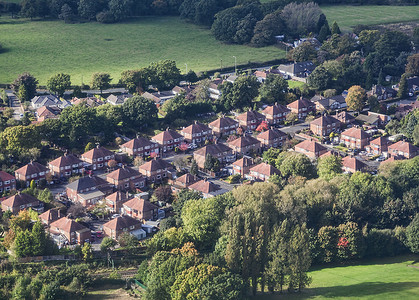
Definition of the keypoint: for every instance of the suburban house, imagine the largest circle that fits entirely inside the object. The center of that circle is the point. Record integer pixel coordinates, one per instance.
(403, 149)
(21, 201)
(272, 138)
(140, 147)
(7, 182)
(168, 140)
(381, 92)
(88, 190)
(98, 157)
(352, 164)
(310, 148)
(382, 118)
(302, 107)
(301, 69)
(49, 100)
(220, 151)
(207, 188)
(196, 133)
(50, 216)
(250, 119)
(405, 108)
(242, 166)
(156, 170)
(47, 112)
(159, 97)
(262, 172)
(367, 120)
(224, 126)
(66, 166)
(88, 101)
(275, 114)
(324, 125)
(126, 178)
(345, 118)
(355, 138)
(378, 146)
(32, 171)
(123, 224)
(326, 104)
(74, 232)
(140, 209)
(244, 145)
(184, 181)
(118, 99)
(213, 89)
(114, 201)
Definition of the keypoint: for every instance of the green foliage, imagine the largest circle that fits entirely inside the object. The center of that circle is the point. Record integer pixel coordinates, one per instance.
(412, 235)
(101, 81)
(165, 241)
(356, 98)
(87, 252)
(138, 112)
(329, 166)
(194, 167)
(320, 78)
(59, 83)
(403, 87)
(301, 18)
(295, 164)
(273, 90)
(335, 28)
(270, 155)
(239, 94)
(107, 244)
(303, 52)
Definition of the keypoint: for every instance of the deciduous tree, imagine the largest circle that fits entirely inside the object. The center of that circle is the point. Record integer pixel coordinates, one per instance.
(101, 81)
(59, 83)
(356, 98)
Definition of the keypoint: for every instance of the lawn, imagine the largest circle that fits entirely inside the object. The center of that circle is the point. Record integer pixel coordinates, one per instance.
(292, 84)
(349, 16)
(48, 47)
(376, 279)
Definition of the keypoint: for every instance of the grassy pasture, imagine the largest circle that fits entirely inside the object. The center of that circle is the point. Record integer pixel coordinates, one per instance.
(48, 47)
(389, 278)
(349, 16)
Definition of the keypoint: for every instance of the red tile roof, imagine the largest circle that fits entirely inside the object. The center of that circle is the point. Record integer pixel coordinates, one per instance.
(123, 173)
(187, 179)
(31, 168)
(20, 199)
(357, 133)
(96, 153)
(196, 128)
(301, 103)
(117, 197)
(166, 135)
(323, 121)
(204, 186)
(140, 204)
(265, 169)
(155, 164)
(380, 141)
(139, 142)
(275, 109)
(403, 146)
(353, 163)
(213, 149)
(6, 176)
(244, 141)
(65, 160)
(250, 115)
(68, 225)
(223, 122)
(121, 223)
(51, 215)
(271, 134)
(244, 162)
(311, 146)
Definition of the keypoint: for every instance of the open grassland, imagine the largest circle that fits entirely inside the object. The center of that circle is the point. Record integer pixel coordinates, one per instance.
(375, 279)
(349, 16)
(48, 47)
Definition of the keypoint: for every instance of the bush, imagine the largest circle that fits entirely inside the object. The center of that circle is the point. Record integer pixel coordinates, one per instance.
(105, 17)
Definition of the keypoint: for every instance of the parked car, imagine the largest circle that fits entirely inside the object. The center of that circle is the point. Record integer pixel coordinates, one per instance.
(115, 216)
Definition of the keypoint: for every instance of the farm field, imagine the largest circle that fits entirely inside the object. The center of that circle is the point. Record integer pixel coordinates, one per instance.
(349, 16)
(48, 47)
(389, 278)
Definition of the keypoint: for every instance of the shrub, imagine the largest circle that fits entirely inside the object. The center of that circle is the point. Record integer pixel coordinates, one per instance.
(105, 17)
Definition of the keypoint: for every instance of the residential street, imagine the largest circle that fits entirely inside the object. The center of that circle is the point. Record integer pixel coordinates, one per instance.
(15, 104)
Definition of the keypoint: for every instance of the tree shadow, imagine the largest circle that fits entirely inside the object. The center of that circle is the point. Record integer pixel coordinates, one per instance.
(360, 289)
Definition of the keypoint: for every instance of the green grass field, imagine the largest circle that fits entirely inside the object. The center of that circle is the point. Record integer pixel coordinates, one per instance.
(349, 16)
(48, 47)
(375, 279)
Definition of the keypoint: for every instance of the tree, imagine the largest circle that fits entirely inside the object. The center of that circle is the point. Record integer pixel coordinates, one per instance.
(194, 167)
(273, 90)
(226, 286)
(29, 82)
(303, 52)
(101, 81)
(324, 32)
(266, 29)
(412, 66)
(329, 166)
(20, 291)
(29, 9)
(39, 240)
(163, 193)
(301, 18)
(120, 9)
(374, 104)
(107, 244)
(89, 146)
(59, 83)
(67, 13)
(138, 112)
(292, 117)
(242, 92)
(403, 87)
(356, 98)
(245, 28)
(164, 74)
(412, 235)
(335, 28)
(320, 78)
(295, 164)
(87, 9)
(23, 244)
(87, 252)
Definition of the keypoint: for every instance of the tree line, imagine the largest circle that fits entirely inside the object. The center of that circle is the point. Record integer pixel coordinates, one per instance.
(265, 236)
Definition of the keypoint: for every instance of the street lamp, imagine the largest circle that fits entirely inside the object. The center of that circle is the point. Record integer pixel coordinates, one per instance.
(235, 65)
